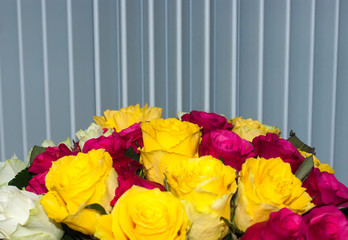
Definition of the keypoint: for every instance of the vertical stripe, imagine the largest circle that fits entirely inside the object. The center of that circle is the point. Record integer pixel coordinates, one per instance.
(190, 53)
(260, 60)
(2, 135)
(71, 70)
(142, 66)
(124, 53)
(166, 54)
(151, 53)
(334, 85)
(118, 53)
(45, 69)
(311, 75)
(21, 76)
(179, 55)
(96, 57)
(207, 55)
(214, 61)
(286, 69)
(234, 58)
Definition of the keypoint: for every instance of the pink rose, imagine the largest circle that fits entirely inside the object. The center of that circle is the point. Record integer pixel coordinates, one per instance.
(132, 137)
(284, 225)
(325, 189)
(113, 144)
(43, 161)
(37, 184)
(227, 145)
(271, 146)
(209, 121)
(326, 223)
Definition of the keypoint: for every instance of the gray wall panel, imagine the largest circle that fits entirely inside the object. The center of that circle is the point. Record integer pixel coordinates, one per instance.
(324, 77)
(58, 77)
(301, 68)
(10, 83)
(250, 65)
(33, 71)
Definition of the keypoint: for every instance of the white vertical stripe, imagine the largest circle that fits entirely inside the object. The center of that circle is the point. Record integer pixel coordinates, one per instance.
(286, 69)
(71, 71)
(234, 59)
(260, 70)
(190, 54)
(334, 85)
(214, 62)
(45, 68)
(166, 55)
(2, 129)
(21, 76)
(207, 55)
(123, 27)
(151, 53)
(97, 79)
(311, 75)
(179, 56)
(142, 66)
(118, 51)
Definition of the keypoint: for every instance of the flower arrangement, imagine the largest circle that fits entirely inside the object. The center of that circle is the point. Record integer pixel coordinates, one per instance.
(134, 175)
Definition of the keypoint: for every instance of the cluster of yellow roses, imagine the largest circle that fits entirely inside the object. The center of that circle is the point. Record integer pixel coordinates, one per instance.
(199, 189)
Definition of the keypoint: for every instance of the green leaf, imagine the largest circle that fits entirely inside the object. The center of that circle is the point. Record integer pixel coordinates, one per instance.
(304, 169)
(36, 150)
(22, 179)
(129, 152)
(97, 207)
(234, 230)
(294, 140)
(344, 211)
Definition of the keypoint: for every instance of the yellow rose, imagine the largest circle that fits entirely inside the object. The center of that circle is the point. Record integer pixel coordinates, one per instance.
(249, 129)
(206, 187)
(171, 135)
(323, 167)
(266, 186)
(156, 163)
(142, 214)
(73, 183)
(126, 117)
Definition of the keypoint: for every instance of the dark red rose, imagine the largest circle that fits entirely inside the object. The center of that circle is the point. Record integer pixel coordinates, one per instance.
(132, 137)
(227, 145)
(126, 166)
(37, 184)
(113, 144)
(43, 161)
(208, 121)
(325, 189)
(272, 146)
(326, 223)
(284, 225)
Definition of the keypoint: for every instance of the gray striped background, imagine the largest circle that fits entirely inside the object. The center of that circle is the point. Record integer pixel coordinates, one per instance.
(283, 62)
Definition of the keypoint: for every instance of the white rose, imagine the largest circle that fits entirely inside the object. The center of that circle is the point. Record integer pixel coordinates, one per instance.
(22, 217)
(93, 131)
(10, 168)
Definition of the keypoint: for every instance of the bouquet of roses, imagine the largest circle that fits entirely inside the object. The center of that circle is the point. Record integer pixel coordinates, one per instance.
(134, 175)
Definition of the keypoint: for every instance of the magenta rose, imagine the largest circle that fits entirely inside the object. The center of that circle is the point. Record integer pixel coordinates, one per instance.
(227, 145)
(37, 184)
(112, 144)
(325, 189)
(284, 225)
(126, 169)
(208, 121)
(132, 137)
(43, 161)
(326, 223)
(272, 146)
